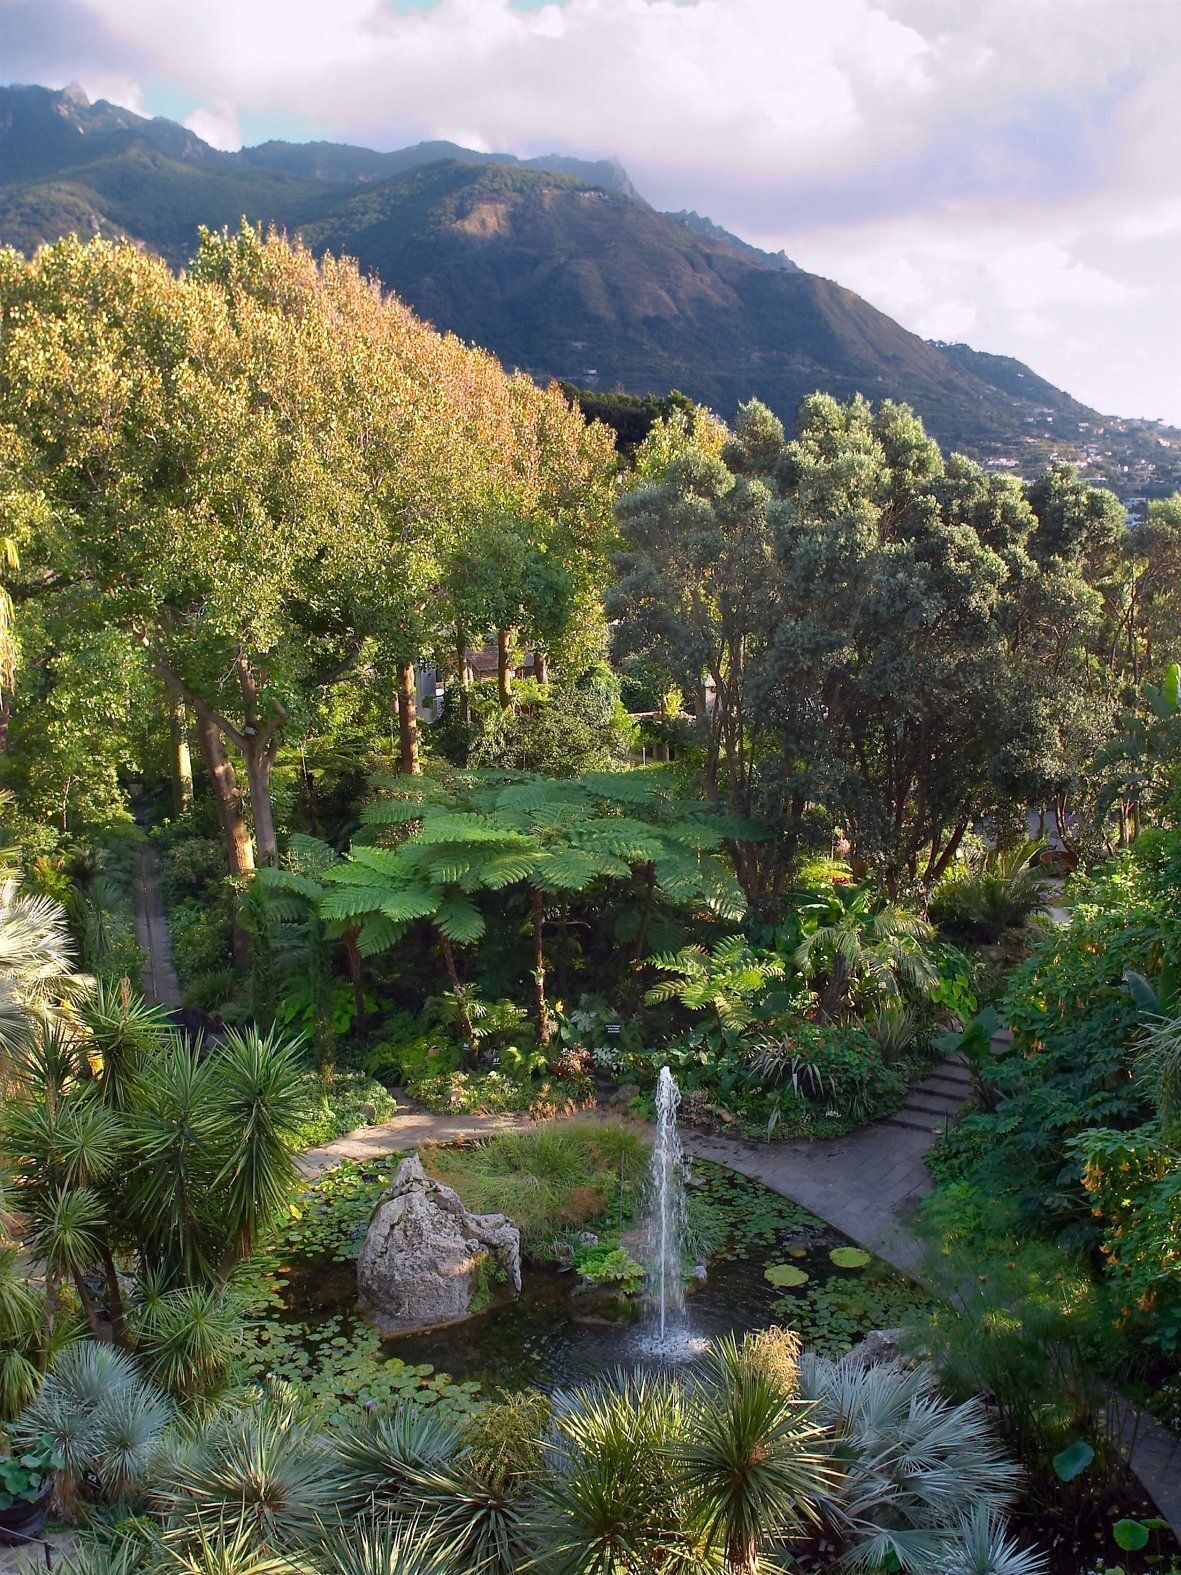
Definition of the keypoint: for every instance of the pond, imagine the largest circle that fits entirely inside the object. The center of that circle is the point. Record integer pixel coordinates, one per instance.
(555, 1334)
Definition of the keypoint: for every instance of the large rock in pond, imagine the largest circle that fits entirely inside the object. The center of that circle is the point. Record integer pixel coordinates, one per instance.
(426, 1259)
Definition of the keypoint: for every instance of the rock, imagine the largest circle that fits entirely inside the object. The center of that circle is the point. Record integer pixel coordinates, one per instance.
(879, 1345)
(425, 1257)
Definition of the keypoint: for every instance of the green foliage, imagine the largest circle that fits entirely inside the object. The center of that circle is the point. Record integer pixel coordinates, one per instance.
(25, 1469)
(981, 896)
(607, 1263)
(330, 1107)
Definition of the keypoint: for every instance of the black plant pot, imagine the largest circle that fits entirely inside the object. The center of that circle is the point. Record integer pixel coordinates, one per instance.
(26, 1518)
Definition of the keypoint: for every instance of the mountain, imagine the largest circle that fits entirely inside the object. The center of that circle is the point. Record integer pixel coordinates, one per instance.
(559, 267)
(700, 225)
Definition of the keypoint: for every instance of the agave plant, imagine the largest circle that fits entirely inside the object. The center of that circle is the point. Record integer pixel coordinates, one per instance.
(914, 1467)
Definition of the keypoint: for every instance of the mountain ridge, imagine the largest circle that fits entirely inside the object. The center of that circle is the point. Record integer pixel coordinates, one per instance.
(559, 267)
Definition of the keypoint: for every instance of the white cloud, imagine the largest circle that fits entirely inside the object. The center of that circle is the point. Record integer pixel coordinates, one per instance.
(1008, 171)
(218, 126)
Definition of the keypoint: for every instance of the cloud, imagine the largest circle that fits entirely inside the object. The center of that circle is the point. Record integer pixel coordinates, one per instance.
(219, 126)
(1004, 169)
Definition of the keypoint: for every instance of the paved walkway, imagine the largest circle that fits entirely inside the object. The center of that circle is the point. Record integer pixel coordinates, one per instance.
(403, 1132)
(161, 987)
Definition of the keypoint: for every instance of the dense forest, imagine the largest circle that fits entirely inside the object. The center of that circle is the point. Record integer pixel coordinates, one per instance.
(482, 761)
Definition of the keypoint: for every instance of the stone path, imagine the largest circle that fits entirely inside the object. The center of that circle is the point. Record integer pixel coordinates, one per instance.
(161, 987)
(869, 1183)
(403, 1132)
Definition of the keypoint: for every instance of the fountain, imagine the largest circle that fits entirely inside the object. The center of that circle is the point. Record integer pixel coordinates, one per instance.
(666, 1221)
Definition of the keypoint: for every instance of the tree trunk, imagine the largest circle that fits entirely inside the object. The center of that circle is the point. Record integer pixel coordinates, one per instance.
(407, 721)
(235, 832)
(5, 715)
(633, 988)
(465, 1021)
(260, 757)
(541, 667)
(355, 966)
(463, 677)
(88, 1306)
(742, 1555)
(115, 1300)
(504, 667)
(182, 764)
(833, 997)
(543, 1024)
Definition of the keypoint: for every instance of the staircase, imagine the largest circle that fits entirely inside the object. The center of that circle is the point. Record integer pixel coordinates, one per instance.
(932, 1103)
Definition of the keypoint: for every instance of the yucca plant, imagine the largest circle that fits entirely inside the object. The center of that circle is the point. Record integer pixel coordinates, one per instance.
(609, 1501)
(752, 1464)
(379, 1455)
(262, 1465)
(102, 1417)
(386, 1548)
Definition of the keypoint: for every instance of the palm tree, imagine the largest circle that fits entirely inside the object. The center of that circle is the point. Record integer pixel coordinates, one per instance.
(858, 943)
(36, 963)
(752, 1462)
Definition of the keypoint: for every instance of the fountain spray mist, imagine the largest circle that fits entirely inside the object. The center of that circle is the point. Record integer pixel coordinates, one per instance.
(666, 1221)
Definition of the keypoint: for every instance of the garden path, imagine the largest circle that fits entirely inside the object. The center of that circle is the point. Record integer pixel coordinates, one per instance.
(160, 984)
(404, 1132)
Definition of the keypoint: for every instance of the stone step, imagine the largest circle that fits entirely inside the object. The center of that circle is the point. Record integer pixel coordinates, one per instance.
(957, 1075)
(900, 1120)
(927, 1107)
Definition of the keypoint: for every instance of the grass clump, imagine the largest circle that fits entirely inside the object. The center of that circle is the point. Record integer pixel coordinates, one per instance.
(574, 1175)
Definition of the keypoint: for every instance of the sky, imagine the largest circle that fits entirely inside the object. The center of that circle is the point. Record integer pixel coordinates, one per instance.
(1004, 172)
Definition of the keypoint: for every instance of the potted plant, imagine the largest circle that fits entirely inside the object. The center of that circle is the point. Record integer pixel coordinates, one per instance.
(26, 1483)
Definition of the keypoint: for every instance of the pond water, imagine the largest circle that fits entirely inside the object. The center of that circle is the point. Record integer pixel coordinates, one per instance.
(557, 1334)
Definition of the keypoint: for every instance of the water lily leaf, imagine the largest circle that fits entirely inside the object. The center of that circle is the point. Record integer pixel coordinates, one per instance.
(1130, 1535)
(784, 1274)
(1073, 1460)
(849, 1257)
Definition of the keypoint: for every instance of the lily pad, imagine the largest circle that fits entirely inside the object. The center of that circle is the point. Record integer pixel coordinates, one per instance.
(1130, 1535)
(785, 1274)
(1073, 1460)
(849, 1257)
(797, 1252)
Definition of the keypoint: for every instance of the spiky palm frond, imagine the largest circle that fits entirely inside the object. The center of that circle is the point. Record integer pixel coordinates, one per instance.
(380, 1454)
(982, 1546)
(915, 1465)
(753, 1462)
(389, 1548)
(260, 1103)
